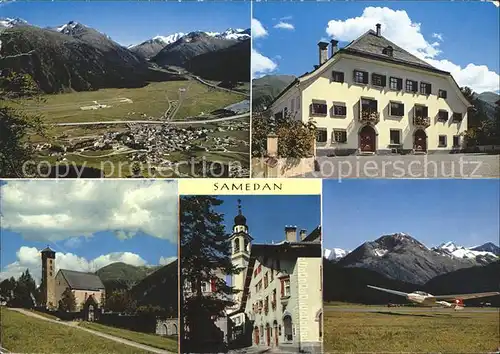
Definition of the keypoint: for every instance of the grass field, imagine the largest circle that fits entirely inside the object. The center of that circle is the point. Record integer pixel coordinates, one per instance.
(151, 100)
(143, 338)
(24, 334)
(404, 331)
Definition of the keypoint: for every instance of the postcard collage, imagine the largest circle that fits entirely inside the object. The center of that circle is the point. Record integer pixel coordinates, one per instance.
(249, 177)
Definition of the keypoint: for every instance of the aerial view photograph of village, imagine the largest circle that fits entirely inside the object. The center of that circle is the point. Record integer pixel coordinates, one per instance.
(408, 271)
(130, 89)
(250, 272)
(93, 270)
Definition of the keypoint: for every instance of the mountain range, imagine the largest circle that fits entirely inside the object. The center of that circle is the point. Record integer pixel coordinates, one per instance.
(399, 261)
(399, 256)
(76, 57)
(155, 286)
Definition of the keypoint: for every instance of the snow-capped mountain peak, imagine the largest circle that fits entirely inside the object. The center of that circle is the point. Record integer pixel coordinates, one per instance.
(68, 27)
(12, 22)
(451, 249)
(170, 38)
(334, 253)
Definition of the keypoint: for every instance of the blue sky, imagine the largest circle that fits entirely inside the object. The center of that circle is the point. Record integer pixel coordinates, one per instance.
(130, 22)
(89, 224)
(267, 216)
(432, 211)
(465, 33)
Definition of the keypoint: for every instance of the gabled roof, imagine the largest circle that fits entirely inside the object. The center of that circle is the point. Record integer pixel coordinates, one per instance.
(81, 280)
(373, 45)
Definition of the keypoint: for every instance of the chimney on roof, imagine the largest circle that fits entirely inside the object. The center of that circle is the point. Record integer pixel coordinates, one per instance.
(303, 234)
(323, 52)
(333, 48)
(291, 233)
(378, 29)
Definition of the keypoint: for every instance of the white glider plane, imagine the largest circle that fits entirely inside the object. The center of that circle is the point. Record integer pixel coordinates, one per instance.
(449, 301)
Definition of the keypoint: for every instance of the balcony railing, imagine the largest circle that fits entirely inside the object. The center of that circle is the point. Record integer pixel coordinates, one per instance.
(422, 122)
(368, 116)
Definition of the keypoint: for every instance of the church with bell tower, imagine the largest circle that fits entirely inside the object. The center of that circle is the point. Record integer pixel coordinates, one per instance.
(240, 252)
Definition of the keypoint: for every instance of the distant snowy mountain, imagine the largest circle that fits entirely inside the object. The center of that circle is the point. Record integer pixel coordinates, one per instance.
(334, 254)
(148, 49)
(488, 247)
(6, 22)
(452, 250)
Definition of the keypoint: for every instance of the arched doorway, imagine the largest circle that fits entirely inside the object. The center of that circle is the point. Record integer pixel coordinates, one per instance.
(320, 317)
(268, 335)
(164, 330)
(174, 329)
(367, 139)
(276, 336)
(256, 335)
(287, 324)
(420, 141)
(91, 314)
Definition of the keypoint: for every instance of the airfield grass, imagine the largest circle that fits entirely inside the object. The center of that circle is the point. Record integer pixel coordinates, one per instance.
(425, 332)
(151, 100)
(152, 340)
(24, 334)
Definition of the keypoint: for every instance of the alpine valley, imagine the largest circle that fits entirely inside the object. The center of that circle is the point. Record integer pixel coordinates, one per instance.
(159, 103)
(399, 261)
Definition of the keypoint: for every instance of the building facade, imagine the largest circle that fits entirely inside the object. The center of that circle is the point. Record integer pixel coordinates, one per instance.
(280, 304)
(373, 97)
(86, 287)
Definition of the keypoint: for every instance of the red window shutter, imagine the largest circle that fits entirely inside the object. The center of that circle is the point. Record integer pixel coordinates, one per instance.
(212, 284)
(282, 288)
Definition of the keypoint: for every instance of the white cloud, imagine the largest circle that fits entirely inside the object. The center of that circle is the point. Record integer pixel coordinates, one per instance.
(261, 65)
(398, 27)
(59, 210)
(166, 260)
(438, 36)
(284, 25)
(29, 258)
(258, 29)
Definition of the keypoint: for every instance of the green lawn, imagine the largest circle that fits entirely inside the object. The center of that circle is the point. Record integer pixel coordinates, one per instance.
(152, 340)
(150, 100)
(404, 331)
(24, 334)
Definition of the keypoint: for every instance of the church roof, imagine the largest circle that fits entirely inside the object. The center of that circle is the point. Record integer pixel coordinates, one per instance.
(81, 280)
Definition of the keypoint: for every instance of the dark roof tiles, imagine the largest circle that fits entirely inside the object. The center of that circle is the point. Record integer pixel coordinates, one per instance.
(81, 280)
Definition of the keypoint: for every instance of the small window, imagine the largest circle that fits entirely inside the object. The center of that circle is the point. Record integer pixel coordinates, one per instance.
(378, 80)
(395, 83)
(442, 141)
(298, 102)
(360, 77)
(319, 109)
(411, 86)
(338, 76)
(292, 105)
(339, 136)
(50, 273)
(395, 136)
(421, 111)
(285, 112)
(425, 88)
(339, 110)
(443, 116)
(442, 94)
(397, 109)
(457, 117)
(368, 104)
(321, 136)
(388, 51)
(456, 141)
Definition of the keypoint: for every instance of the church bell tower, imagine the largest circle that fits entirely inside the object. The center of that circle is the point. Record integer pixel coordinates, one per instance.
(240, 252)
(48, 278)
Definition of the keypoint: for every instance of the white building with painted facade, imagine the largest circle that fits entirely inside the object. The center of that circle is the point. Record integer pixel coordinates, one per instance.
(373, 97)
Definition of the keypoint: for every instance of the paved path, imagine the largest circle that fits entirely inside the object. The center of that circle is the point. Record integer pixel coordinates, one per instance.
(199, 79)
(408, 166)
(179, 122)
(100, 334)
